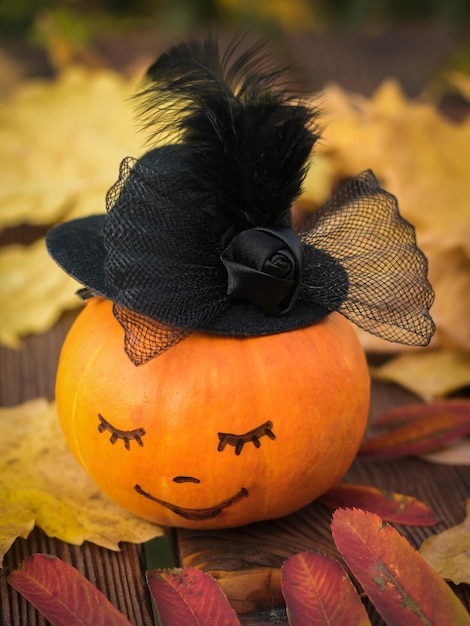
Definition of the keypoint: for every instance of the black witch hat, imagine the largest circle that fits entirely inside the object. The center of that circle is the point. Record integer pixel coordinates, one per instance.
(198, 235)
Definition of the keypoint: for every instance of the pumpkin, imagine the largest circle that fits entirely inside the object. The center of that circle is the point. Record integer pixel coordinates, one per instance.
(216, 431)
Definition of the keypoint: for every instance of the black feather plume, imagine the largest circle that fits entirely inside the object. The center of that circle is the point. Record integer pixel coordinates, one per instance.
(246, 137)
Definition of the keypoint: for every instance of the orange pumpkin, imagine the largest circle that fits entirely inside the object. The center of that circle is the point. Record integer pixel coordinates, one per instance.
(217, 431)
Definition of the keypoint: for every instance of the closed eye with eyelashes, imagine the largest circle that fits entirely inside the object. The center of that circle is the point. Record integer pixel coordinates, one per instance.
(252, 436)
(225, 439)
(116, 433)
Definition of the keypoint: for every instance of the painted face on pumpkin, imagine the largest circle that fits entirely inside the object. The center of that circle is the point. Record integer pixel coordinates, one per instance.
(238, 442)
(217, 431)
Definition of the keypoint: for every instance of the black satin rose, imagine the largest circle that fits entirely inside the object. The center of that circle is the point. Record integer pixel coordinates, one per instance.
(264, 267)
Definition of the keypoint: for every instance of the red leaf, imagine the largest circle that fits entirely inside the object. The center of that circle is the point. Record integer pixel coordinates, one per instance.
(62, 594)
(190, 597)
(408, 412)
(318, 592)
(420, 435)
(392, 507)
(399, 582)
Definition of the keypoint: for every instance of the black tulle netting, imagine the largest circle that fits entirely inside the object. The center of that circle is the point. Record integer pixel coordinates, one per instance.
(388, 291)
(146, 337)
(361, 259)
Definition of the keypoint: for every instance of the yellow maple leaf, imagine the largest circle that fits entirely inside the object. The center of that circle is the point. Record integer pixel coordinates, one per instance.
(61, 143)
(33, 291)
(42, 483)
(429, 374)
(449, 551)
(422, 158)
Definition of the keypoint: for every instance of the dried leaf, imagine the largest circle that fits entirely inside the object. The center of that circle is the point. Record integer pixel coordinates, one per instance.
(33, 291)
(250, 590)
(61, 143)
(423, 158)
(401, 585)
(65, 504)
(461, 81)
(455, 453)
(62, 595)
(408, 412)
(430, 375)
(318, 592)
(421, 435)
(190, 597)
(449, 552)
(392, 507)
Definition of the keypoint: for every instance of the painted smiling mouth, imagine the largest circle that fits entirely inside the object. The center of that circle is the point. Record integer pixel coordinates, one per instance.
(195, 514)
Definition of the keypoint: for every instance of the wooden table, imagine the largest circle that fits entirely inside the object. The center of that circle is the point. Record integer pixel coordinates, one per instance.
(256, 552)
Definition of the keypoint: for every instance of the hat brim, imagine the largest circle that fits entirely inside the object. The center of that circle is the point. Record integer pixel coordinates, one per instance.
(78, 247)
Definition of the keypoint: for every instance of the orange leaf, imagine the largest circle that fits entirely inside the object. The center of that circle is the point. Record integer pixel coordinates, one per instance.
(392, 507)
(399, 582)
(62, 594)
(318, 592)
(422, 434)
(190, 597)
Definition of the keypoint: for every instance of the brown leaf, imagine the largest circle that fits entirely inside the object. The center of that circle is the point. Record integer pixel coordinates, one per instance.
(190, 597)
(318, 592)
(422, 434)
(392, 507)
(399, 582)
(62, 594)
(449, 552)
(250, 590)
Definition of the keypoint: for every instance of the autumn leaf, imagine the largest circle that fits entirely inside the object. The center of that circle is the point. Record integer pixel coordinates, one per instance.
(423, 159)
(253, 589)
(62, 595)
(449, 551)
(33, 290)
(422, 434)
(456, 452)
(407, 412)
(401, 585)
(430, 374)
(318, 592)
(392, 507)
(190, 597)
(61, 142)
(66, 504)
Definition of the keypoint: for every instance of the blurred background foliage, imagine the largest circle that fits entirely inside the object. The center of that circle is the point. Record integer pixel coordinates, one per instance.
(80, 19)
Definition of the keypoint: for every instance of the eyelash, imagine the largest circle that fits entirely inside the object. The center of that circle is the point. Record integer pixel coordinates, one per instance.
(237, 441)
(253, 436)
(126, 435)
